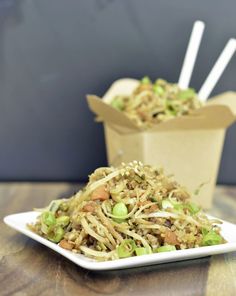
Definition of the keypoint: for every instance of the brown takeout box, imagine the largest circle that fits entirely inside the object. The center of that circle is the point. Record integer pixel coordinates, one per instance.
(189, 146)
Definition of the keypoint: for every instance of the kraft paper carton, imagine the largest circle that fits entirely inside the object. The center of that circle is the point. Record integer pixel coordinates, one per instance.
(189, 146)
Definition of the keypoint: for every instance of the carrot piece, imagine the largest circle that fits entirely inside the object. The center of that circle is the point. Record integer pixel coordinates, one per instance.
(100, 193)
(66, 245)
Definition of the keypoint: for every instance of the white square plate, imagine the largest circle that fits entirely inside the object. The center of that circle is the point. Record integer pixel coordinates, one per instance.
(228, 230)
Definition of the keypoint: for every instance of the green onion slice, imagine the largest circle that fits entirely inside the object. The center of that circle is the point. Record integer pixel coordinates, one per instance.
(193, 208)
(142, 251)
(63, 221)
(166, 248)
(158, 90)
(117, 103)
(186, 94)
(48, 218)
(126, 248)
(211, 238)
(56, 235)
(145, 80)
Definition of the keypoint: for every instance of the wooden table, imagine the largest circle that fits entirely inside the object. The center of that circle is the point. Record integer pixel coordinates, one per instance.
(28, 268)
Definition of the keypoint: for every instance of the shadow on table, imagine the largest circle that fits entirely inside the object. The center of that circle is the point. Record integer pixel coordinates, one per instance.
(180, 277)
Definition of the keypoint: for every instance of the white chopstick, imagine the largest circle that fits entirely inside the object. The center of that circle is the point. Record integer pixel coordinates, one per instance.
(191, 54)
(217, 70)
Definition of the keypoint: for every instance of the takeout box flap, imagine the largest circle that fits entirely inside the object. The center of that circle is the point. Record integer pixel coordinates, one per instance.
(219, 112)
(227, 99)
(109, 114)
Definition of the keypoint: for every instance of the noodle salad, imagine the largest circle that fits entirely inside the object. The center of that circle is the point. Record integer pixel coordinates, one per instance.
(152, 103)
(131, 210)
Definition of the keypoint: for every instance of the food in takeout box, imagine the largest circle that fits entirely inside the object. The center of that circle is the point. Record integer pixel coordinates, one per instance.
(170, 125)
(151, 103)
(131, 210)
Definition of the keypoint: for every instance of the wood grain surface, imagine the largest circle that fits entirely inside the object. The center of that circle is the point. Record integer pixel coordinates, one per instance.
(28, 268)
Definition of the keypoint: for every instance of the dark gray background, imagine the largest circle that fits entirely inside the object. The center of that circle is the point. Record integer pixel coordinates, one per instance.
(53, 52)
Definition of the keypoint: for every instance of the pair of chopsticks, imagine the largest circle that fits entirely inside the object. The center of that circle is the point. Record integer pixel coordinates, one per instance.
(190, 58)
